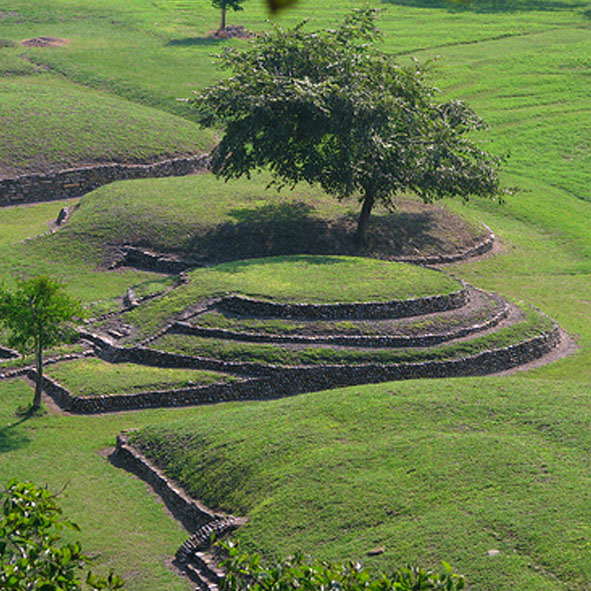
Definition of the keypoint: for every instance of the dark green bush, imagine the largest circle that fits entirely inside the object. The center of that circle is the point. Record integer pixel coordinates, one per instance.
(246, 573)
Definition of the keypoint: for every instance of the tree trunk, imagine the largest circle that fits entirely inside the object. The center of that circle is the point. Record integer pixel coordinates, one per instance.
(39, 381)
(363, 223)
(223, 23)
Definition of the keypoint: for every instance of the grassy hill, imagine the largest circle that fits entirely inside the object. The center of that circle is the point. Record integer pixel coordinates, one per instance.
(432, 470)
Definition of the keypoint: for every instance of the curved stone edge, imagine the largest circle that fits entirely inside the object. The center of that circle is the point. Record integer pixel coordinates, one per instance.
(74, 182)
(344, 340)
(21, 371)
(482, 247)
(162, 262)
(279, 381)
(6, 353)
(191, 556)
(237, 304)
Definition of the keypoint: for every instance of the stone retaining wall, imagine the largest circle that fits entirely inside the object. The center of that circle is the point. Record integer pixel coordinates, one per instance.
(279, 381)
(21, 371)
(193, 513)
(244, 306)
(425, 340)
(253, 388)
(6, 353)
(74, 182)
(478, 249)
(142, 258)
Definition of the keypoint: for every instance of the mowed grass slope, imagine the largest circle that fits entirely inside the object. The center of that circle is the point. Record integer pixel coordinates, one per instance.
(427, 470)
(431, 470)
(27, 250)
(49, 123)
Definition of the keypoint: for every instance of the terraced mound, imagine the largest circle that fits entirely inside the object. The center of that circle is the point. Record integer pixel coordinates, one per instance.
(276, 327)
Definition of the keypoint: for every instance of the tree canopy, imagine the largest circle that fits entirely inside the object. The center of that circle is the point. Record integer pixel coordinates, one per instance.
(37, 315)
(329, 107)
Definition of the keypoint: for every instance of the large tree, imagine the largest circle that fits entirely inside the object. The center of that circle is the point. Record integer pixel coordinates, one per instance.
(37, 314)
(329, 107)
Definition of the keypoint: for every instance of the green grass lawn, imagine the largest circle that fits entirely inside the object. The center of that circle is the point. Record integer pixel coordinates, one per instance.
(207, 220)
(429, 470)
(320, 279)
(93, 377)
(432, 470)
(19, 223)
(50, 123)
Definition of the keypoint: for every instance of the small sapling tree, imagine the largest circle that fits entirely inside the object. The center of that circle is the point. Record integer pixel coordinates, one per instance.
(37, 314)
(223, 5)
(329, 108)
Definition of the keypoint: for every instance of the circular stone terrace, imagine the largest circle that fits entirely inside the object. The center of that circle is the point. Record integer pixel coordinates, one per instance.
(267, 328)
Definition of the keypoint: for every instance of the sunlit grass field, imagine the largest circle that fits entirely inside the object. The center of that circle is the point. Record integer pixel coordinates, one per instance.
(430, 470)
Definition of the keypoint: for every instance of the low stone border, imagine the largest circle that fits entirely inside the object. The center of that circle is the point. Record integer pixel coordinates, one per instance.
(21, 371)
(6, 353)
(274, 381)
(192, 557)
(244, 306)
(425, 340)
(74, 182)
(252, 388)
(143, 258)
(193, 513)
(478, 249)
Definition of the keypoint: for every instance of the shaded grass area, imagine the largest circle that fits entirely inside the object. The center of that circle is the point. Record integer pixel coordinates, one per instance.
(93, 377)
(532, 325)
(320, 279)
(428, 470)
(50, 123)
(207, 220)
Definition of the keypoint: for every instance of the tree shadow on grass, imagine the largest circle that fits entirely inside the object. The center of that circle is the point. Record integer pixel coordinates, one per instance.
(12, 438)
(293, 228)
(194, 41)
(491, 6)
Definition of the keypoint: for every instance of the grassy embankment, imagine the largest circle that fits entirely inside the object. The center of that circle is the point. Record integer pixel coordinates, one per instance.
(430, 469)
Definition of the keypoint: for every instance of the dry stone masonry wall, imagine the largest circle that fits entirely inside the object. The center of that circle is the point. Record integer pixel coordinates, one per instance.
(74, 182)
(278, 381)
(242, 305)
(424, 340)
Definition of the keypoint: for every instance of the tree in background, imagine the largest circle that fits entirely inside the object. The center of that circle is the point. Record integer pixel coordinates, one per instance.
(223, 5)
(32, 556)
(37, 314)
(329, 108)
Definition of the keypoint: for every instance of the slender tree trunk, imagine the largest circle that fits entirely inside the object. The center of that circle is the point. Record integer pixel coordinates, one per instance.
(363, 223)
(39, 381)
(223, 23)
